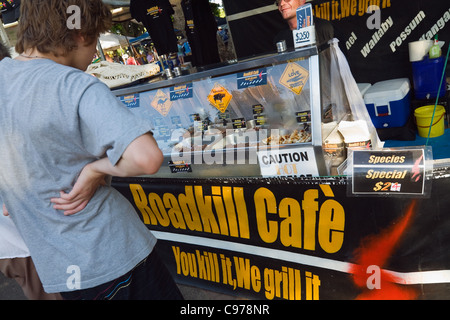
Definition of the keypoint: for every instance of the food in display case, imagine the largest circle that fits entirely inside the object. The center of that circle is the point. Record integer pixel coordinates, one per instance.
(297, 136)
(214, 139)
(273, 109)
(276, 104)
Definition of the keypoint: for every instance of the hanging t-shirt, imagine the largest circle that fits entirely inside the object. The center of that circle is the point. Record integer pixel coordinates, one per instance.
(191, 33)
(156, 16)
(201, 30)
(10, 10)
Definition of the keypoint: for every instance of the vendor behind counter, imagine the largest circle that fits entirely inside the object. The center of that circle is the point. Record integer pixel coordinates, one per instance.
(288, 10)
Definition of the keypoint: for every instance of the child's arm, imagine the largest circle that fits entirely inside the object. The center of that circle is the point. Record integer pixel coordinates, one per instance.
(141, 157)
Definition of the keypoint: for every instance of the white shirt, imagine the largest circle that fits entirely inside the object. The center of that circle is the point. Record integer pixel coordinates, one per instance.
(11, 243)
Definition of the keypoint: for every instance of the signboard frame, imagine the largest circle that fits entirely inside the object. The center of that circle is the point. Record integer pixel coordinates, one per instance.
(390, 172)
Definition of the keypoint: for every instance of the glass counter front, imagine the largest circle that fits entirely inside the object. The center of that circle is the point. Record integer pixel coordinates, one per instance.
(261, 117)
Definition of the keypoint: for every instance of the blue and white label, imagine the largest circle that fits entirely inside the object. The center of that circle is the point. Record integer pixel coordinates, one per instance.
(304, 37)
(304, 16)
(181, 92)
(252, 78)
(131, 101)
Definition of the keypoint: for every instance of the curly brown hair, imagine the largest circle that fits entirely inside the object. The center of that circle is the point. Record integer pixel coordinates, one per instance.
(4, 51)
(43, 24)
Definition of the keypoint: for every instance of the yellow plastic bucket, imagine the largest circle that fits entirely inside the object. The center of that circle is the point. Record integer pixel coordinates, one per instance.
(423, 120)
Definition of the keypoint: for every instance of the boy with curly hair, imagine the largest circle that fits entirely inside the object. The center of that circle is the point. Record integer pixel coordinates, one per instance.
(62, 134)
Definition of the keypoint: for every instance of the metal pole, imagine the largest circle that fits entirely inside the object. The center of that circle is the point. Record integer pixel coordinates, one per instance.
(4, 36)
(99, 48)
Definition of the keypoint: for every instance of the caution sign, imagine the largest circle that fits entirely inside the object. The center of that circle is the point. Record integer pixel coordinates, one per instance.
(219, 97)
(389, 172)
(297, 162)
(162, 103)
(294, 77)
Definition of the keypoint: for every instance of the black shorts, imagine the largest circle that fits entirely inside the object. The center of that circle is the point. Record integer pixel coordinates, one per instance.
(149, 280)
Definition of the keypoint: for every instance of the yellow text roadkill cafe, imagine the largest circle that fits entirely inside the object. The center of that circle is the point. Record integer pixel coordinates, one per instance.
(304, 222)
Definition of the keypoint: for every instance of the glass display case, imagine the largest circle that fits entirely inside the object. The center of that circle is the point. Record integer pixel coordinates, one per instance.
(256, 118)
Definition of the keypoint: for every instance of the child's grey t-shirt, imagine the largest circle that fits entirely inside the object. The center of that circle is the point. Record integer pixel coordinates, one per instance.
(53, 121)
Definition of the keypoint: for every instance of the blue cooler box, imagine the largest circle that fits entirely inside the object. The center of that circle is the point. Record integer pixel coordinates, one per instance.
(388, 103)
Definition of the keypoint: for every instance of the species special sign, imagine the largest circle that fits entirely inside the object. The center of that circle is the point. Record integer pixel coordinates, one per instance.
(389, 172)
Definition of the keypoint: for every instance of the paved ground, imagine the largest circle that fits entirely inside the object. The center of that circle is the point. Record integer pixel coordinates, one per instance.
(10, 290)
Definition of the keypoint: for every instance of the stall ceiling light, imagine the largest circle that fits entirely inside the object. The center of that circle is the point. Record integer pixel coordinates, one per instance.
(117, 10)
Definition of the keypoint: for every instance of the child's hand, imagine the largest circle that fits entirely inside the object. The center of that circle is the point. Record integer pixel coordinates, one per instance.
(82, 192)
(5, 211)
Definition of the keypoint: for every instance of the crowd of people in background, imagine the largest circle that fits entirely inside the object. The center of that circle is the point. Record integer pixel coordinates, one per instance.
(144, 54)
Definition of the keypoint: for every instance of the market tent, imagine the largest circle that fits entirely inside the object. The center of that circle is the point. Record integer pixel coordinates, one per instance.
(111, 41)
(118, 3)
(144, 36)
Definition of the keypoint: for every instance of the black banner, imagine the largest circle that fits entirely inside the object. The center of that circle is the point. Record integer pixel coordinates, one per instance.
(297, 239)
(375, 41)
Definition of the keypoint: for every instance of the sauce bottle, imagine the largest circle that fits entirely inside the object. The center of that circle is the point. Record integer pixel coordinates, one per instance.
(435, 51)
